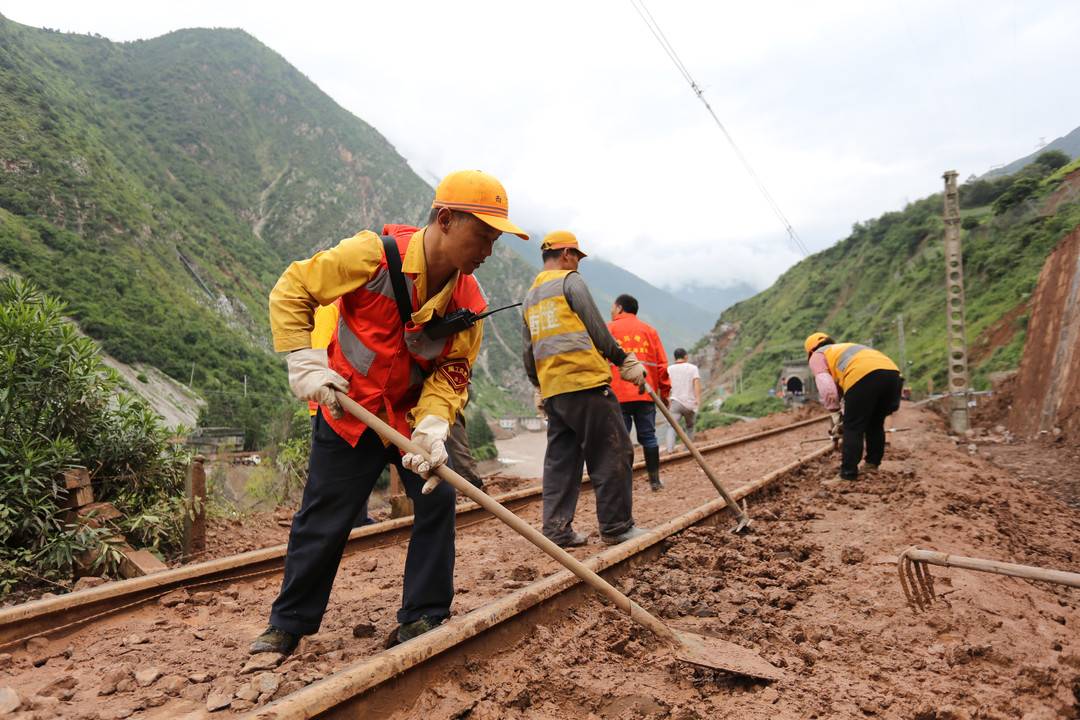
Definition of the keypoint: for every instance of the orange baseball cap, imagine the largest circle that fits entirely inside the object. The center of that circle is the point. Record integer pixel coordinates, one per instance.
(561, 239)
(479, 194)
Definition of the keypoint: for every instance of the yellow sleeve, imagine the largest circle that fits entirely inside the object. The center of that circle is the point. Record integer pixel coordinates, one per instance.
(446, 390)
(326, 317)
(319, 280)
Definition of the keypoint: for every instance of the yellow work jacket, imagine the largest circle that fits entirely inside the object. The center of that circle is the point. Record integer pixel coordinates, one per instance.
(326, 319)
(566, 358)
(849, 363)
(349, 265)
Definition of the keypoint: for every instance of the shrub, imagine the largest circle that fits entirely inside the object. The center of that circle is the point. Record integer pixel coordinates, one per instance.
(60, 406)
(481, 439)
(1016, 194)
(1052, 159)
(970, 222)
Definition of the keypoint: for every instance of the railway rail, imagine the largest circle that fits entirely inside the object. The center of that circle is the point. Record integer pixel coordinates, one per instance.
(58, 615)
(390, 680)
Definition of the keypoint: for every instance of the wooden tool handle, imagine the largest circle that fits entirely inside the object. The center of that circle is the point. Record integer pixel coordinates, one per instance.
(1026, 572)
(694, 451)
(463, 486)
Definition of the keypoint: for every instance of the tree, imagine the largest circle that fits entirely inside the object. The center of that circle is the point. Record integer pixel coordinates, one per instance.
(1019, 191)
(1053, 159)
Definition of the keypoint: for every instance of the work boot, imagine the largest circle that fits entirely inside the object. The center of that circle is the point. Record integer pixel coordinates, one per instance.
(575, 540)
(870, 468)
(652, 465)
(274, 640)
(633, 532)
(407, 631)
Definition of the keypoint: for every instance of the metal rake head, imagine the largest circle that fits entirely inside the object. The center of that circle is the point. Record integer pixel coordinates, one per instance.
(916, 580)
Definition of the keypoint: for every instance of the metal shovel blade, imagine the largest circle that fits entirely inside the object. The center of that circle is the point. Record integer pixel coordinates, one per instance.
(721, 655)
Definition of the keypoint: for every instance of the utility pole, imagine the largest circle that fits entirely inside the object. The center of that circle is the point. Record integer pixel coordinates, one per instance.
(191, 378)
(954, 284)
(245, 385)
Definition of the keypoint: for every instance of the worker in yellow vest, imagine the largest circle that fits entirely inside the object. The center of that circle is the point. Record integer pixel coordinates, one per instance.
(567, 350)
(869, 384)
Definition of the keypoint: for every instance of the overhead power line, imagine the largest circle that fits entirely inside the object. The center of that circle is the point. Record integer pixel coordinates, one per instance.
(669, 49)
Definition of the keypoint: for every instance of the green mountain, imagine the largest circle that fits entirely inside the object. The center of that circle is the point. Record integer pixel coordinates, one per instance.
(161, 186)
(679, 322)
(894, 265)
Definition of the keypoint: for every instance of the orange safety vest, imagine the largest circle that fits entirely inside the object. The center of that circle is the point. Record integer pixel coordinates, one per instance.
(641, 339)
(849, 363)
(385, 362)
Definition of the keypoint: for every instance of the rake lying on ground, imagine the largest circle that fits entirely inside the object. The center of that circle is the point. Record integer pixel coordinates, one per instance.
(918, 583)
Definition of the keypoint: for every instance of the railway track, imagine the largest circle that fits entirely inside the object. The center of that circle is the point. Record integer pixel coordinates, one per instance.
(58, 615)
(390, 680)
(118, 628)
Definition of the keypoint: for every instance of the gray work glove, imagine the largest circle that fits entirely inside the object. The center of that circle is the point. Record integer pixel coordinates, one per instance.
(311, 379)
(836, 429)
(632, 371)
(538, 399)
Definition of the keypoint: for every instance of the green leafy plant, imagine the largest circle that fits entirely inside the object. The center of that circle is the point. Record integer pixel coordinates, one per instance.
(60, 406)
(481, 439)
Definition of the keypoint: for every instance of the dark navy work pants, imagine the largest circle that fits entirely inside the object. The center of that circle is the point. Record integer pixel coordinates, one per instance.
(340, 479)
(641, 415)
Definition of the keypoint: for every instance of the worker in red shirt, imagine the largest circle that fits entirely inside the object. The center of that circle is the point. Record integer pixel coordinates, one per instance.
(638, 410)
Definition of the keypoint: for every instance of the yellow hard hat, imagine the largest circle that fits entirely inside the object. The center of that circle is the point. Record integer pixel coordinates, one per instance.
(479, 194)
(561, 239)
(813, 341)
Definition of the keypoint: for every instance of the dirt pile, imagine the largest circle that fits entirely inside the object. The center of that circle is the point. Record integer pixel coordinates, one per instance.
(1048, 384)
(815, 591)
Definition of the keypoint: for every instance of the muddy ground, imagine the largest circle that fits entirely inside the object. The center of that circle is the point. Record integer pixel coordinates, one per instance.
(186, 655)
(815, 589)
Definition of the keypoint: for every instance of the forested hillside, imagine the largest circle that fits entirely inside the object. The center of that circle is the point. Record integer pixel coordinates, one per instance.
(159, 187)
(894, 265)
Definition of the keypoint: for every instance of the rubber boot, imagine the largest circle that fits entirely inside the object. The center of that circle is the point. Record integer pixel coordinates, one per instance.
(652, 464)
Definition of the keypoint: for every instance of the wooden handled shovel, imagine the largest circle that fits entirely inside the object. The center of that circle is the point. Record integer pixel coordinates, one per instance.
(740, 512)
(689, 647)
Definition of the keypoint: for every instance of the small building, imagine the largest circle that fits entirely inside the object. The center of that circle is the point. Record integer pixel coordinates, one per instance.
(511, 426)
(214, 440)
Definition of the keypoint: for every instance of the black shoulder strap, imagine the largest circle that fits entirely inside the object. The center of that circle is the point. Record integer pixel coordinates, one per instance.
(397, 279)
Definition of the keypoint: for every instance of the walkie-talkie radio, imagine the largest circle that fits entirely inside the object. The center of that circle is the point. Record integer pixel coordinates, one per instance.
(455, 322)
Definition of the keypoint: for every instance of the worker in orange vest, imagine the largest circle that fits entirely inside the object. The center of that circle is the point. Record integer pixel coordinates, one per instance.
(640, 338)
(869, 384)
(392, 353)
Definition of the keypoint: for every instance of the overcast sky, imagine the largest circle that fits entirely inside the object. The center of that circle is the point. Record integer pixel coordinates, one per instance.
(846, 109)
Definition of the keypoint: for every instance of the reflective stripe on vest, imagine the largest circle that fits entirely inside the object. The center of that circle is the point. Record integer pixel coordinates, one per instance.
(566, 359)
(850, 362)
(384, 362)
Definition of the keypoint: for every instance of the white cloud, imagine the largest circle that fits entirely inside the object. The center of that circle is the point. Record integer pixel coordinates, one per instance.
(846, 109)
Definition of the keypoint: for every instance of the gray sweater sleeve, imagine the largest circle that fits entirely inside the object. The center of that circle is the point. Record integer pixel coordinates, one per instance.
(527, 354)
(581, 302)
